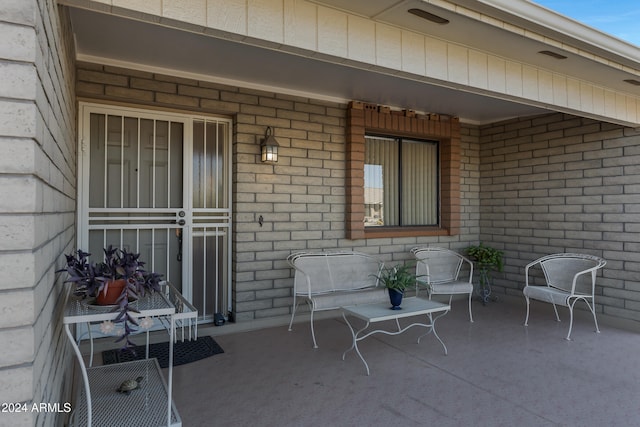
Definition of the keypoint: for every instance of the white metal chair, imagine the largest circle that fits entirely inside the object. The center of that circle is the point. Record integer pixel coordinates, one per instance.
(569, 278)
(441, 268)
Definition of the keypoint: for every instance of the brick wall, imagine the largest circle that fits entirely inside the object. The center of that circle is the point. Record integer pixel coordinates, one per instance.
(301, 198)
(558, 183)
(37, 187)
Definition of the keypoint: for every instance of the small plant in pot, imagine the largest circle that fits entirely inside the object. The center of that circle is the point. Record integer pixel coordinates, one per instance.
(119, 280)
(397, 279)
(487, 259)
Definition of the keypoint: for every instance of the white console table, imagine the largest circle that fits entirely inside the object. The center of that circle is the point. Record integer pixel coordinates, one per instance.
(99, 403)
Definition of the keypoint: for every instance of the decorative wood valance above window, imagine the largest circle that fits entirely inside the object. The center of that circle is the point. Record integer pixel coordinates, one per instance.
(387, 192)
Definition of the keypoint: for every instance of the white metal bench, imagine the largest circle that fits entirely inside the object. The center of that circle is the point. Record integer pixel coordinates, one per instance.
(569, 278)
(330, 280)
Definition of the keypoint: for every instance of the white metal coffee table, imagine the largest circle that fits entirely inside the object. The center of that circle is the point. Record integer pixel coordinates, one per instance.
(379, 312)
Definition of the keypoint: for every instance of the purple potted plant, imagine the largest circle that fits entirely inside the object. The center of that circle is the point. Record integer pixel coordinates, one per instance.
(118, 280)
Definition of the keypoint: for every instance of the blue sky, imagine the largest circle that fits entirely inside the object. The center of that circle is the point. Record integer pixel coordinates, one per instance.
(619, 18)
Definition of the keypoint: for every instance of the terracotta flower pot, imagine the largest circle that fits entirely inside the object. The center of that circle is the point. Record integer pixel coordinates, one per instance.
(114, 290)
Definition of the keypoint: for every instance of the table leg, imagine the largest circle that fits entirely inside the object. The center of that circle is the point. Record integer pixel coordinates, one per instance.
(172, 332)
(83, 370)
(90, 343)
(432, 329)
(354, 344)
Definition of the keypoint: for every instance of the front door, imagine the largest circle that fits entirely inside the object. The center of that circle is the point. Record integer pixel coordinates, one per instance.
(158, 183)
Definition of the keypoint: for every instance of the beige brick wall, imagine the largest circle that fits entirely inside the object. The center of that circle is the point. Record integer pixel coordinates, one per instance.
(529, 186)
(559, 183)
(37, 186)
(301, 198)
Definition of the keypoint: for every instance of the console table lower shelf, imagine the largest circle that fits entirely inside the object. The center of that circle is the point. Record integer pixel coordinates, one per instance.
(145, 406)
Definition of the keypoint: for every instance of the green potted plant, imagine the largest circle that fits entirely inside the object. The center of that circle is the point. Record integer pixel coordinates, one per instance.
(486, 259)
(120, 271)
(397, 279)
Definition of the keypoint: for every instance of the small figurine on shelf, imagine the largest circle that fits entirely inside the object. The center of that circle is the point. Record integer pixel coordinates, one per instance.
(128, 386)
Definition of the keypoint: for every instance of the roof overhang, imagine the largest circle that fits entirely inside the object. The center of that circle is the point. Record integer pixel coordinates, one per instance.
(513, 31)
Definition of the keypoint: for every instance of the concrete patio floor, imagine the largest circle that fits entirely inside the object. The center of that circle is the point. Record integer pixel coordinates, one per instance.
(497, 373)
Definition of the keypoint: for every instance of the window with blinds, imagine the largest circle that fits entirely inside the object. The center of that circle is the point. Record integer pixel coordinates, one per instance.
(400, 182)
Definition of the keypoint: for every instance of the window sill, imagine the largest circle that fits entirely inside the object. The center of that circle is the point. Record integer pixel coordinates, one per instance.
(386, 232)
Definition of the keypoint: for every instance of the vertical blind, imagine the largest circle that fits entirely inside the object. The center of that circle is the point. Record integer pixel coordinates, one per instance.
(401, 182)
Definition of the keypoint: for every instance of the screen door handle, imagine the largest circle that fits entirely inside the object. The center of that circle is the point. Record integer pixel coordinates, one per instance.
(179, 236)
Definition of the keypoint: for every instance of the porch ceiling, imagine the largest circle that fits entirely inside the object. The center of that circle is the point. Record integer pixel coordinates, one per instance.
(111, 39)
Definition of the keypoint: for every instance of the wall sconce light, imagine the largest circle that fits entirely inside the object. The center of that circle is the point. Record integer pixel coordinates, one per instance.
(269, 147)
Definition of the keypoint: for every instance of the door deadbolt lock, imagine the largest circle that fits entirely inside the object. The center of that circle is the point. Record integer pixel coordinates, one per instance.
(181, 221)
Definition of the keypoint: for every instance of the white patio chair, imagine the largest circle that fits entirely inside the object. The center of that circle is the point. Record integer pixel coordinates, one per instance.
(569, 278)
(440, 268)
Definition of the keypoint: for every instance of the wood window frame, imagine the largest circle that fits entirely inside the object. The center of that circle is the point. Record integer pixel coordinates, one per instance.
(367, 118)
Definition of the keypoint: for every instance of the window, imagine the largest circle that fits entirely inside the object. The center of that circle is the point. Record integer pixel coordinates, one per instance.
(411, 165)
(400, 182)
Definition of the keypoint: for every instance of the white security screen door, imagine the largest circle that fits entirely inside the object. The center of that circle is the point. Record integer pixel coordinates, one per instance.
(159, 184)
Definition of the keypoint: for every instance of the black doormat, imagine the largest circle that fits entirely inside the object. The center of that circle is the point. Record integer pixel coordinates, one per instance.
(183, 352)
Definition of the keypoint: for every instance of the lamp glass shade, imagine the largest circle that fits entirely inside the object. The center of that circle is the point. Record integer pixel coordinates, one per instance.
(269, 149)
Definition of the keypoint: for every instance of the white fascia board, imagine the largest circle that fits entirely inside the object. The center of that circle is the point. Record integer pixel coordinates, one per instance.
(604, 44)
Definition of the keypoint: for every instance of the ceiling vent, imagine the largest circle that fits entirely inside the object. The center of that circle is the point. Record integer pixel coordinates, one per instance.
(428, 16)
(552, 54)
(633, 82)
